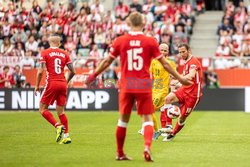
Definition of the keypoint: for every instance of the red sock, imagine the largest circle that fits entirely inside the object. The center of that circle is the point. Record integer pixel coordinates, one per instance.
(148, 134)
(177, 127)
(163, 119)
(120, 138)
(64, 121)
(49, 117)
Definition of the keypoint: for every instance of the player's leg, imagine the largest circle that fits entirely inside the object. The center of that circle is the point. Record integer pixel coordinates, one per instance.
(61, 102)
(64, 121)
(166, 121)
(126, 101)
(145, 108)
(44, 111)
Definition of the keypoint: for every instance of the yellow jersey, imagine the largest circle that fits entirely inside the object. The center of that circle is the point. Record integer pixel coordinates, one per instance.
(161, 76)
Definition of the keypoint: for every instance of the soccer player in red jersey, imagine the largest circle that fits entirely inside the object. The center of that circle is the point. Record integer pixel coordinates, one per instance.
(187, 96)
(136, 52)
(54, 60)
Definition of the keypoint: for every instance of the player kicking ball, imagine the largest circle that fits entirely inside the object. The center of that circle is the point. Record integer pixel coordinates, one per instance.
(187, 96)
(136, 52)
(54, 60)
(160, 90)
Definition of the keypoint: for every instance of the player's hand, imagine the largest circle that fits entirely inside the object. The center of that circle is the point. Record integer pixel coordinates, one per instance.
(37, 89)
(91, 78)
(186, 80)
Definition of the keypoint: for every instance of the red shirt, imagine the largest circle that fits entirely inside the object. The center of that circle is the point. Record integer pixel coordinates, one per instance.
(55, 60)
(136, 52)
(193, 90)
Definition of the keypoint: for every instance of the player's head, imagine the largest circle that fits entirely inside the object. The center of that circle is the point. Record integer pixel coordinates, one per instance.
(54, 40)
(184, 51)
(135, 20)
(164, 49)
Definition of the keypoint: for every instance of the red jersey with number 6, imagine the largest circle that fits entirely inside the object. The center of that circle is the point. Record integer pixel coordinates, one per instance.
(136, 52)
(55, 60)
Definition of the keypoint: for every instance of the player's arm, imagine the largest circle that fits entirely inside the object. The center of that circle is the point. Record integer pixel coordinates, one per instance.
(185, 80)
(72, 72)
(100, 68)
(39, 76)
(191, 73)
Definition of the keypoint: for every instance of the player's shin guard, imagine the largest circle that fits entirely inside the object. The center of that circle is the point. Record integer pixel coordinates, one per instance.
(49, 117)
(155, 122)
(120, 137)
(178, 127)
(64, 120)
(148, 134)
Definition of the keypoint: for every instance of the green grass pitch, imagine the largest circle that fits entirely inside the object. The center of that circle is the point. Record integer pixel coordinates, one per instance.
(209, 139)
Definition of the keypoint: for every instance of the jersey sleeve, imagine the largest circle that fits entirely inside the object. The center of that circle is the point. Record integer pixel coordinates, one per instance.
(42, 57)
(155, 49)
(114, 50)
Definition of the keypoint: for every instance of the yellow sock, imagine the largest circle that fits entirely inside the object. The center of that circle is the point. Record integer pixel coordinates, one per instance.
(155, 122)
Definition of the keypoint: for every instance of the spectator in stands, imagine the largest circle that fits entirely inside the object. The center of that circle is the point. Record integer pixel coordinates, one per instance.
(86, 7)
(36, 8)
(70, 46)
(27, 62)
(85, 39)
(53, 28)
(19, 50)
(18, 77)
(32, 45)
(121, 10)
(63, 36)
(5, 78)
(44, 44)
(225, 27)
(99, 38)
(19, 34)
(246, 46)
(180, 34)
(211, 79)
(7, 47)
(97, 7)
(222, 51)
(135, 6)
(235, 49)
(159, 10)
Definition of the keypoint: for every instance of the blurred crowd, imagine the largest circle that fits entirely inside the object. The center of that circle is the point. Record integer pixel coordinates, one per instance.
(234, 37)
(88, 31)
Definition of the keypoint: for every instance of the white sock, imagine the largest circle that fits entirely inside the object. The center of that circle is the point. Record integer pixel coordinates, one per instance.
(66, 135)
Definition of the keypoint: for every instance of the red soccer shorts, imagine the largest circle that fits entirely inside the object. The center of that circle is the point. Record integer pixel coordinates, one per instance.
(144, 103)
(56, 91)
(187, 102)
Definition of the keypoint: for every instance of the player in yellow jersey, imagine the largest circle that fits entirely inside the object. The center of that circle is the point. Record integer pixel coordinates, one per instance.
(161, 86)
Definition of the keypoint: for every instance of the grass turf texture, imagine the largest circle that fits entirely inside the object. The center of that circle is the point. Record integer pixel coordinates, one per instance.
(209, 139)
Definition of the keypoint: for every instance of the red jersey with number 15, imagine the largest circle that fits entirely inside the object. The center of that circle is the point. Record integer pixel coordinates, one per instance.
(55, 60)
(136, 52)
(194, 90)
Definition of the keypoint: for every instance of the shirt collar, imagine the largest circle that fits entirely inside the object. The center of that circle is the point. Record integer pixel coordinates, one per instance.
(135, 32)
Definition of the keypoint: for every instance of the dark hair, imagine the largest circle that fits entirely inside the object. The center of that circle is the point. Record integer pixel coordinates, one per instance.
(6, 67)
(184, 45)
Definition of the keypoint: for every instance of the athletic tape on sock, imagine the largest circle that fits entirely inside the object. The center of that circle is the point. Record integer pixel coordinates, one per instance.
(181, 124)
(122, 124)
(150, 123)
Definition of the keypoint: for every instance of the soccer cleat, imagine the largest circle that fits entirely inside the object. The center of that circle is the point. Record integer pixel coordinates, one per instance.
(123, 158)
(169, 137)
(66, 140)
(59, 133)
(156, 135)
(168, 129)
(147, 155)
